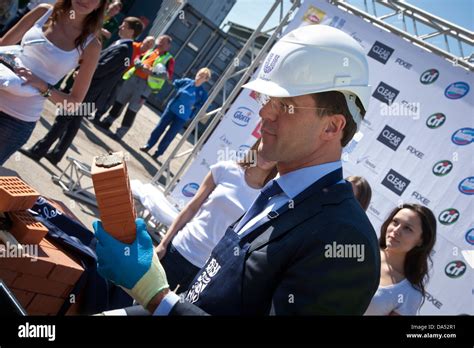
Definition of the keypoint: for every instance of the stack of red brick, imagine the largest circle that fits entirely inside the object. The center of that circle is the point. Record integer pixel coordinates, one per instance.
(115, 201)
(42, 282)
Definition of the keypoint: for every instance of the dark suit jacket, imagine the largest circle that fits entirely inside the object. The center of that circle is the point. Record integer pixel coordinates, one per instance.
(287, 271)
(113, 62)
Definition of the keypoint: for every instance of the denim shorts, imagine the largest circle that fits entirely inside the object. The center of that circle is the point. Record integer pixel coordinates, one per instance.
(14, 133)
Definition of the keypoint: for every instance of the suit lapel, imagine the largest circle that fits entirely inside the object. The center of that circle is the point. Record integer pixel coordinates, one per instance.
(303, 210)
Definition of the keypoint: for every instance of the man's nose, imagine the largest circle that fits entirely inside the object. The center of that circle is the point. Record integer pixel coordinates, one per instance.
(267, 113)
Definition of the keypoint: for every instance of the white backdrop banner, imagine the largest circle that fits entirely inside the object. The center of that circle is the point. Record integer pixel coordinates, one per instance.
(415, 145)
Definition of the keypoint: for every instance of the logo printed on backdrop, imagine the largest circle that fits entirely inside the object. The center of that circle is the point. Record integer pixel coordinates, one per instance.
(436, 120)
(442, 168)
(256, 132)
(455, 269)
(337, 22)
(189, 190)
(429, 76)
(431, 299)
(395, 182)
(242, 116)
(357, 38)
(390, 137)
(270, 62)
(470, 236)
(403, 63)
(314, 15)
(415, 152)
(224, 140)
(418, 196)
(385, 93)
(466, 186)
(242, 151)
(380, 52)
(463, 136)
(456, 90)
(448, 216)
(367, 163)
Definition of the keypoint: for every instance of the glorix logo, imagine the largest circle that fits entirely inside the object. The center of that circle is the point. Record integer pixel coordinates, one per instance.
(37, 331)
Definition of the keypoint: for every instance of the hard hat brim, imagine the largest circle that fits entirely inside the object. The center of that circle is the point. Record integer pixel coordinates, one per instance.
(274, 90)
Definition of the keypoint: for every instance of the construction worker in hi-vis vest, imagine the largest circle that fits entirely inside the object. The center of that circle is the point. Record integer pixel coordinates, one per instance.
(148, 75)
(157, 79)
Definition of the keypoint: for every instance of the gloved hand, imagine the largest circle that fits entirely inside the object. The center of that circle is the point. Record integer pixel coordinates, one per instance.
(134, 267)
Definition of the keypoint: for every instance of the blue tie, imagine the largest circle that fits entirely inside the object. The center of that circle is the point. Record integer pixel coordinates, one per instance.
(261, 201)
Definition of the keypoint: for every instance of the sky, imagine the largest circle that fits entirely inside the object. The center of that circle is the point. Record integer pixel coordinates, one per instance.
(460, 12)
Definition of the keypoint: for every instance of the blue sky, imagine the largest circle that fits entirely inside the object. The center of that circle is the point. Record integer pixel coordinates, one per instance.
(460, 12)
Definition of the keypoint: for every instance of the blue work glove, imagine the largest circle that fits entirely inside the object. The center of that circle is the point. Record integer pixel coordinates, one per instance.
(134, 267)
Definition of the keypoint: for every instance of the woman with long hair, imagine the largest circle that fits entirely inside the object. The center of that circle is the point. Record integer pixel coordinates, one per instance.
(225, 194)
(53, 39)
(406, 240)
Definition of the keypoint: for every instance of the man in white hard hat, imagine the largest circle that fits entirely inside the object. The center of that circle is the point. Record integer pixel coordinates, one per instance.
(305, 247)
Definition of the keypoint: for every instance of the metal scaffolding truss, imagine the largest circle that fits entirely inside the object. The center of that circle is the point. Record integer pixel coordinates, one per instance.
(411, 15)
(236, 68)
(405, 12)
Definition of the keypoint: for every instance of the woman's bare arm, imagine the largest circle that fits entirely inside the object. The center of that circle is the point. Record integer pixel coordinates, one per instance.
(15, 34)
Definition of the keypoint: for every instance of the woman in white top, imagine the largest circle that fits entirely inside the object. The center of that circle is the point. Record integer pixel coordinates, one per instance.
(406, 241)
(225, 194)
(53, 40)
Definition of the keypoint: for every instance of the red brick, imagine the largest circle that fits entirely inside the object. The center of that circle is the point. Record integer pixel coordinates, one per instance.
(8, 276)
(39, 266)
(115, 202)
(24, 297)
(45, 305)
(41, 286)
(67, 270)
(15, 194)
(26, 229)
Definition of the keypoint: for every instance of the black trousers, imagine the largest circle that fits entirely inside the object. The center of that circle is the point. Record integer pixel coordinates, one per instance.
(65, 129)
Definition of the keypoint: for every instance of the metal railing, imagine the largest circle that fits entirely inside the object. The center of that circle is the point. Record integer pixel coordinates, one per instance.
(409, 14)
(216, 115)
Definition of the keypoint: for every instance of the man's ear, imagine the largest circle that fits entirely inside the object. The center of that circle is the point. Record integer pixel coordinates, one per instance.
(333, 127)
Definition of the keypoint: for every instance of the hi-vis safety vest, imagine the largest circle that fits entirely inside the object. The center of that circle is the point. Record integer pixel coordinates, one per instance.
(155, 83)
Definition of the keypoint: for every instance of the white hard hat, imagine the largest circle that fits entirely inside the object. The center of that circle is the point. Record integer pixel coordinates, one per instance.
(314, 59)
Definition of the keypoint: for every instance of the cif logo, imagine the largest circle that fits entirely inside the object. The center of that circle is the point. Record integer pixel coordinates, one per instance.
(442, 168)
(270, 62)
(385, 93)
(463, 136)
(456, 90)
(429, 76)
(189, 190)
(466, 186)
(242, 116)
(470, 236)
(380, 52)
(455, 269)
(435, 120)
(448, 216)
